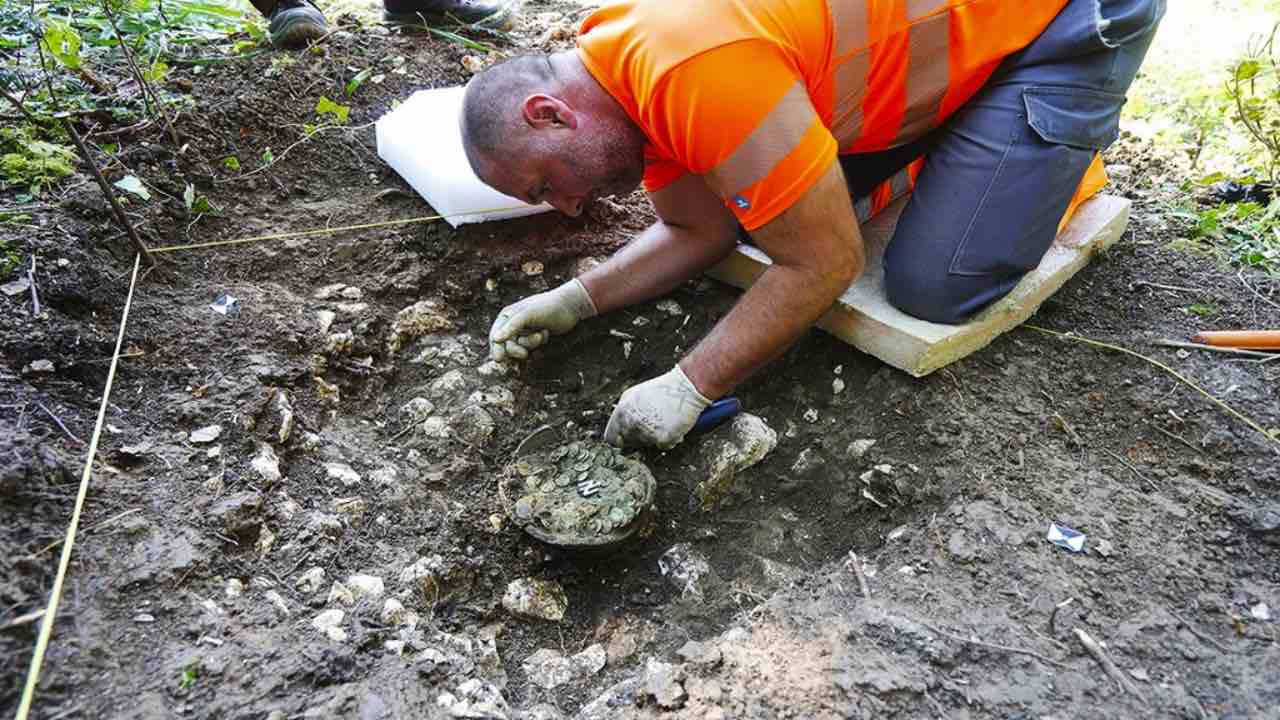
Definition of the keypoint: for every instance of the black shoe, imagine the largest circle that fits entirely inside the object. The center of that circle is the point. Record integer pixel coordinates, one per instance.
(490, 13)
(294, 23)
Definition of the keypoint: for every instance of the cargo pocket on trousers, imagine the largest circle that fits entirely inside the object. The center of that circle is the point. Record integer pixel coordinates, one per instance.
(1051, 149)
(1084, 119)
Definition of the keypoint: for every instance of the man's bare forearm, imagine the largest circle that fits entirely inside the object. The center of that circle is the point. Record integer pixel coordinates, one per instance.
(658, 261)
(772, 315)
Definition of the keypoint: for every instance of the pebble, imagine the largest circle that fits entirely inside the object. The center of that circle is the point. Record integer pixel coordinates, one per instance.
(329, 291)
(590, 661)
(206, 434)
(352, 507)
(266, 541)
(417, 409)
(421, 318)
(365, 587)
(725, 455)
(548, 669)
(837, 386)
(472, 63)
(235, 588)
(278, 602)
(493, 368)
(536, 599)
(266, 463)
(351, 292)
(811, 415)
(1260, 612)
(38, 367)
(343, 473)
(670, 307)
(475, 699)
(285, 408)
(238, 514)
(700, 654)
(684, 567)
(435, 580)
(495, 397)
(325, 318)
(532, 268)
(329, 623)
(858, 448)
(395, 614)
(340, 594)
(311, 580)
(663, 682)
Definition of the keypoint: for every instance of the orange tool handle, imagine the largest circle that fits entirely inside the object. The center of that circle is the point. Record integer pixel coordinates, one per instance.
(1245, 339)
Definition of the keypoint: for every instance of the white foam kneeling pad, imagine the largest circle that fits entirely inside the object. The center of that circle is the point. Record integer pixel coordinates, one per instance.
(422, 141)
(864, 318)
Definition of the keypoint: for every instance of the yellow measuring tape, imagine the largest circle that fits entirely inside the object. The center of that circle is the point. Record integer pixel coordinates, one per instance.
(55, 596)
(329, 231)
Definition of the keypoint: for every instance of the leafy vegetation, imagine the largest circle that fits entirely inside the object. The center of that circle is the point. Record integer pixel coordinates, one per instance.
(30, 163)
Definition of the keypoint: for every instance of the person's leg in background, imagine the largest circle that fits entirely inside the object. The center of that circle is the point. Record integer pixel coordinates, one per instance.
(294, 23)
(1001, 172)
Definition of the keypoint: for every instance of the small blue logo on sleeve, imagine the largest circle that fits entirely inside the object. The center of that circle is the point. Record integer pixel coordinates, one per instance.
(741, 202)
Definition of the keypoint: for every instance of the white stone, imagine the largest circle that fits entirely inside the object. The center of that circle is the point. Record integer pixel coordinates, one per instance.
(395, 614)
(39, 367)
(748, 441)
(352, 507)
(266, 541)
(837, 386)
(548, 669)
(496, 397)
(266, 463)
(421, 318)
(670, 307)
(417, 409)
(329, 623)
(311, 580)
(235, 588)
(343, 473)
(858, 448)
(329, 291)
(206, 434)
(366, 586)
(325, 318)
(277, 601)
(590, 661)
(340, 594)
(351, 292)
(811, 415)
(436, 427)
(493, 368)
(537, 599)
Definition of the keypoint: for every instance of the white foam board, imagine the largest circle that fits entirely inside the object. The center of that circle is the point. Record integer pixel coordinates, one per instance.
(422, 141)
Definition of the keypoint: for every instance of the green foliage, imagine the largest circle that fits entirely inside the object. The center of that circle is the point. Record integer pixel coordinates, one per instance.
(10, 258)
(1246, 234)
(26, 161)
(356, 81)
(1203, 309)
(63, 43)
(198, 204)
(189, 676)
(1253, 86)
(325, 106)
(232, 163)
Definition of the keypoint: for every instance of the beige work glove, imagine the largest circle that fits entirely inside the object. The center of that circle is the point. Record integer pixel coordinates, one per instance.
(527, 324)
(658, 412)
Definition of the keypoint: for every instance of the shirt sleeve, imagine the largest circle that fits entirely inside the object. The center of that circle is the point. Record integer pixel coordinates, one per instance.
(740, 116)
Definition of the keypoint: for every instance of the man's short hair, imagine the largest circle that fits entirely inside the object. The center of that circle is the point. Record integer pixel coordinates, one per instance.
(489, 115)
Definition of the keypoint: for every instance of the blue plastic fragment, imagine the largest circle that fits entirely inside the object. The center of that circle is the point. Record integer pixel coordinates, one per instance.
(716, 413)
(1065, 537)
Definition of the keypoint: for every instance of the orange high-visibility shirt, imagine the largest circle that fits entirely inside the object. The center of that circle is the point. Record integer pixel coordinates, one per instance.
(759, 96)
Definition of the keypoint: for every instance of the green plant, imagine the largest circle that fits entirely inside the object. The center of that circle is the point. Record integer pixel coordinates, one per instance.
(1253, 86)
(1245, 233)
(10, 258)
(190, 674)
(26, 161)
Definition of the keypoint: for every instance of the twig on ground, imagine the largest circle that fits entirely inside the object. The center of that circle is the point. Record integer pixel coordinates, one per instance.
(1197, 633)
(147, 90)
(1132, 469)
(53, 417)
(23, 620)
(1181, 378)
(856, 565)
(1108, 666)
(1162, 286)
(123, 219)
(1053, 616)
(993, 646)
(1212, 348)
(35, 294)
(1175, 436)
(21, 108)
(1260, 296)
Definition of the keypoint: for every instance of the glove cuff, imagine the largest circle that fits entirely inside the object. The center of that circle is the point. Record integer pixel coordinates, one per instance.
(577, 299)
(687, 385)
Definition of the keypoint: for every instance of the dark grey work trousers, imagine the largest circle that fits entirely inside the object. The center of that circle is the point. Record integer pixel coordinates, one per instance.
(999, 174)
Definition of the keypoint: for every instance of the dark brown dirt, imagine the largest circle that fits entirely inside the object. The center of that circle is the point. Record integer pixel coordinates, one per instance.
(984, 455)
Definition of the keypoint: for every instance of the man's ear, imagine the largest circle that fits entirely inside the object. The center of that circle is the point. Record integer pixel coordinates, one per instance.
(544, 111)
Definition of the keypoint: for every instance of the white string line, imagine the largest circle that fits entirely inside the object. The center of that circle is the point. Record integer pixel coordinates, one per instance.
(55, 595)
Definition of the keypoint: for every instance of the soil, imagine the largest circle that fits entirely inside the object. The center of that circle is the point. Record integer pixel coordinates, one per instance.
(192, 590)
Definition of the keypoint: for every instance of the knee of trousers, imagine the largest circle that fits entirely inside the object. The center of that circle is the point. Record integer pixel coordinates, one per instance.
(930, 294)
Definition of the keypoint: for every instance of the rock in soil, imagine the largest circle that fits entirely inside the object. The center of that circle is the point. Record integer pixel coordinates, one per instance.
(699, 654)
(536, 599)
(434, 580)
(475, 699)
(684, 567)
(420, 318)
(725, 454)
(548, 669)
(266, 464)
(238, 515)
(662, 681)
(329, 623)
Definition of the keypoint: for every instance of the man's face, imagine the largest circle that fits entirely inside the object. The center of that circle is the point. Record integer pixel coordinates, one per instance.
(566, 169)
